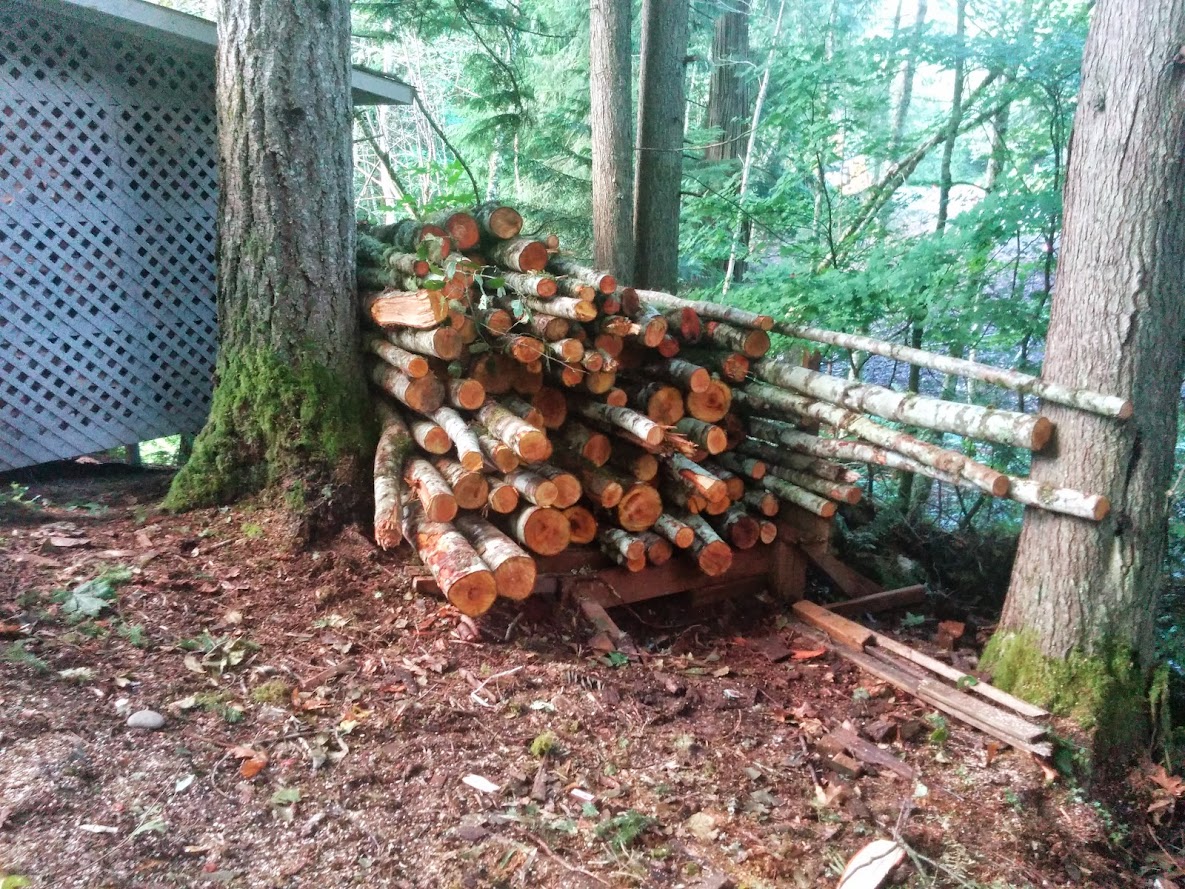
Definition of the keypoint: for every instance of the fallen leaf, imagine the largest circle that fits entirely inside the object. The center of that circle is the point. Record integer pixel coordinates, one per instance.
(1171, 783)
(68, 542)
(477, 782)
(991, 751)
(249, 768)
(805, 654)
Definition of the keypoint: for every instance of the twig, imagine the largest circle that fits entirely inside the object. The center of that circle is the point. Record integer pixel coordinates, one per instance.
(443, 138)
(478, 699)
(546, 849)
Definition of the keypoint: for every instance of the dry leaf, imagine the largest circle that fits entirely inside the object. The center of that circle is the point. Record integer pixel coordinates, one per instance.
(477, 782)
(1172, 784)
(869, 867)
(803, 654)
(991, 751)
(249, 768)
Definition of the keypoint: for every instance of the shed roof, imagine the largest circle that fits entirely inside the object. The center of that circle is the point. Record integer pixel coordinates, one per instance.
(158, 23)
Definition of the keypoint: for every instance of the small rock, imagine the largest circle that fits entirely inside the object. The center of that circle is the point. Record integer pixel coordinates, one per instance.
(702, 826)
(146, 719)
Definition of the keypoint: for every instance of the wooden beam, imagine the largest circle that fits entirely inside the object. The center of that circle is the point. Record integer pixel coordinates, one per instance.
(883, 601)
(851, 583)
(840, 629)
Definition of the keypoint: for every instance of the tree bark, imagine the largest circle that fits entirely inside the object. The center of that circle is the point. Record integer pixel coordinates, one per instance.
(907, 76)
(730, 91)
(290, 395)
(659, 170)
(956, 116)
(1084, 595)
(610, 98)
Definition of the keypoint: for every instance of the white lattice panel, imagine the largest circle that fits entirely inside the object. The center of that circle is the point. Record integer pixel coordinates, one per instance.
(108, 197)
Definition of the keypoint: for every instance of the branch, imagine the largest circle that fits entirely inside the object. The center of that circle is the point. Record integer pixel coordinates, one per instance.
(385, 160)
(443, 138)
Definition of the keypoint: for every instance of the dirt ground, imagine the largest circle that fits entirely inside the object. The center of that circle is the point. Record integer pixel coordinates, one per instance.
(325, 727)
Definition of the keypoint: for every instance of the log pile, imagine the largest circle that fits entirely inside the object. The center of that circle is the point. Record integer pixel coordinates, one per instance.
(528, 402)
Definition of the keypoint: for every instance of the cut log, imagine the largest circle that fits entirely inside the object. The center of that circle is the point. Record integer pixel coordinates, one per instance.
(533, 285)
(430, 489)
(528, 442)
(669, 347)
(498, 222)
(624, 418)
(677, 532)
(710, 552)
(548, 327)
(639, 507)
(762, 501)
(623, 548)
(579, 440)
(576, 290)
(687, 376)
(522, 409)
(652, 324)
(602, 281)
(441, 342)
(562, 307)
(494, 371)
(533, 487)
(496, 321)
(567, 486)
(699, 479)
(607, 303)
(499, 455)
(679, 497)
(526, 379)
(461, 228)
(394, 446)
(600, 382)
(421, 309)
(513, 569)
(567, 350)
(523, 349)
(709, 310)
(1005, 427)
(430, 437)
(552, 407)
(503, 498)
(738, 527)
(609, 344)
(750, 342)
(734, 483)
(370, 251)
(415, 366)
(542, 531)
(458, 570)
(408, 264)
(686, 323)
(593, 360)
(634, 461)
(707, 435)
(465, 326)
(567, 375)
(660, 402)
(803, 461)
(469, 488)
(658, 549)
(467, 395)
(712, 404)
(1083, 399)
(582, 523)
(769, 531)
(469, 452)
(600, 487)
(424, 395)
(799, 496)
(518, 254)
(831, 490)
(406, 234)
(1067, 501)
(746, 466)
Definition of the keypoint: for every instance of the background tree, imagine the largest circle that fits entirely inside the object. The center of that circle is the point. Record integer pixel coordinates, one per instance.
(1077, 627)
(610, 99)
(287, 409)
(659, 166)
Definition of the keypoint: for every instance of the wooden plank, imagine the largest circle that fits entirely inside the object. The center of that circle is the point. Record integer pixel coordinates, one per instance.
(745, 586)
(882, 601)
(787, 573)
(978, 686)
(851, 583)
(868, 752)
(936, 692)
(838, 628)
(596, 615)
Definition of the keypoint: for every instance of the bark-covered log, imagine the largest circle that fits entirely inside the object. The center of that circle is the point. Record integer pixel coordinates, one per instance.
(600, 487)
(1082, 399)
(468, 395)
(523, 349)
(370, 251)
(406, 234)
(600, 382)
(458, 570)
(548, 327)
(552, 406)
(660, 402)
(566, 350)
(562, 307)
(623, 548)
(424, 395)
(823, 468)
(577, 439)
(712, 404)
(528, 442)
(431, 489)
(750, 467)
(593, 361)
(462, 228)
(469, 487)
(533, 487)
(430, 437)
(395, 444)
(499, 455)
(582, 524)
(685, 323)
(534, 285)
(694, 475)
(624, 418)
(762, 501)
(518, 254)
(710, 552)
(407, 264)
(463, 324)
(513, 569)
(708, 436)
(441, 342)
(420, 309)
(496, 322)
(769, 531)
(680, 498)
(415, 366)
(677, 532)
(1006, 427)
(576, 290)
(750, 342)
(658, 549)
(652, 326)
(792, 493)
(497, 222)
(1066, 501)
(567, 486)
(542, 531)
(503, 498)
(465, 440)
(523, 410)
(494, 371)
(634, 461)
(831, 490)
(639, 507)
(709, 310)
(733, 482)
(687, 376)
(602, 281)
(669, 347)
(739, 528)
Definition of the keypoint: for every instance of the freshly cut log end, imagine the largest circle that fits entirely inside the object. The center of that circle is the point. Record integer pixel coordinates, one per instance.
(460, 573)
(578, 439)
(1042, 433)
(462, 228)
(552, 406)
(762, 501)
(533, 487)
(753, 343)
(677, 532)
(499, 454)
(582, 524)
(415, 366)
(1093, 507)
(431, 490)
(503, 498)
(622, 547)
(430, 437)
(713, 558)
(424, 395)
(543, 531)
(519, 254)
(711, 404)
(661, 403)
(601, 487)
(529, 443)
(710, 437)
(495, 372)
(734, 367)
(739, 528)
(469, 488)
(468, 395)
(658, 549)
(567, 486)
(639, 508)
(513, 569)
(617, 398)
(494, 221)
(624, 418)
(440, 342)
(769, 531)
(669, 347)
(600, 382)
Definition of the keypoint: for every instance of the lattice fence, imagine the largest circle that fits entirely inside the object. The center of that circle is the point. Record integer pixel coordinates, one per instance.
(108, 194)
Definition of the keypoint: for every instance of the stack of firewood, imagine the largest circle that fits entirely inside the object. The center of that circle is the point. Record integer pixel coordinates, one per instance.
(528, 403)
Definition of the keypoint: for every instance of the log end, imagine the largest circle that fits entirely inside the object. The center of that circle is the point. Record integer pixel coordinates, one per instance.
(756, 344)
(769, 531)
(474, 593)
(1042, 433)
(515, 577)
(639, 508)
(546, 532)
(469, 394)
(714, 558)
(440, 508)
(582, 524)
(471, 461)
(1102, 507)
(764, 322)
(597, 449)
(684, 537)
(607, 284)
(502, 498)
(716, 440)
(1125, 411)
(532, 257)
(463, 231)
(504, 223)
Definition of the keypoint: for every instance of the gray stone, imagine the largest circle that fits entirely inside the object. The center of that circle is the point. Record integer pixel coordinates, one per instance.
(146, 719)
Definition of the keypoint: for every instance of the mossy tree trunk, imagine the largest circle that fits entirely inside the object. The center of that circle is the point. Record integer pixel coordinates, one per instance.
(288, 398)
(1077, 627)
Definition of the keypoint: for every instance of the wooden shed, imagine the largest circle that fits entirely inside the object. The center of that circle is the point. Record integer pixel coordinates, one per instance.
(108, 201)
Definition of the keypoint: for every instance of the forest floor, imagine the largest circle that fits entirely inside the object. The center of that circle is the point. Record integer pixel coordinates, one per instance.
(322, 724)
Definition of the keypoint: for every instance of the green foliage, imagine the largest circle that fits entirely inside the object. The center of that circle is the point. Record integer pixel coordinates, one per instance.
(17, 653)
(623, 830)
(88, 599)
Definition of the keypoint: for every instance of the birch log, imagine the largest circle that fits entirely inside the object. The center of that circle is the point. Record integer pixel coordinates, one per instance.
(424, 395)
(469, 488)
(497, 222)
(543, 531)
(465, 440)
(631, 421)
(430, 437)
(460, 573)
(831, 490)
(792, 493)
(677, 532)
(518, 254)
(582, 524)
(528, 442)
(415, 366)
(711, 553)
(602, 281)
(441, 342)
(393, 447)
(431, 490)
(532, 487)
(513, 569)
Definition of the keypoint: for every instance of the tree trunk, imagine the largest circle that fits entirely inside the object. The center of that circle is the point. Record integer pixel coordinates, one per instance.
(659, 170)
(1077, 627)
(610, 63)
(730, 91)
(290, 395)
(956, 116)
(907, 76)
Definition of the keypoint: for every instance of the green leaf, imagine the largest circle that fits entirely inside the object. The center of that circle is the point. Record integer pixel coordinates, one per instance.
(966, 682)
(286, 796)
(615, 659)
(14, 881)
(88, 599)
(497, 283)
